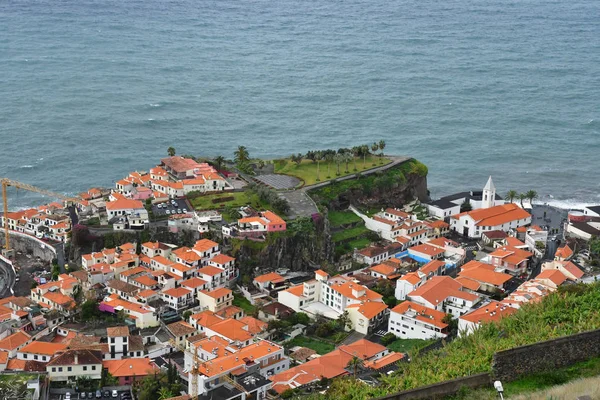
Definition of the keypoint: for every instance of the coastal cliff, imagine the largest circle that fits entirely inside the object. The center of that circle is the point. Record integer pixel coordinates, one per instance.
(391, 188)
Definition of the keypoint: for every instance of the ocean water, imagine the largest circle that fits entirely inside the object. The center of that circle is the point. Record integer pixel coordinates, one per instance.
(93, 89)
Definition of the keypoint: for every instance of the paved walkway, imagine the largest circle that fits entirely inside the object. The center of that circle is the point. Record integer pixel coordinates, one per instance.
(278, 181)
(301, 205)
(352, 337)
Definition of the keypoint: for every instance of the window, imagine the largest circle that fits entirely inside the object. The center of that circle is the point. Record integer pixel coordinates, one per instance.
(53, 369)
(59, 369)
(69, 369)
(85, 367)
(93, 367)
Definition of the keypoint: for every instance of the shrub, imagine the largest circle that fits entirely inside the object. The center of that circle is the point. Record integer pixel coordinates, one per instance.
(388, 338)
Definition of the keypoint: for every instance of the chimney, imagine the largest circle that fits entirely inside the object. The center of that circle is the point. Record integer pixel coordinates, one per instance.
(76, 359)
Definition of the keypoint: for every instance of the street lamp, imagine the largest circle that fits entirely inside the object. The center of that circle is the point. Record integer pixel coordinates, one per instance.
(499, 388)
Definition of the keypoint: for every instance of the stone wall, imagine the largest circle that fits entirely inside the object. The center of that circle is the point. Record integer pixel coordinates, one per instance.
(443, 389)
(28, 244)
(511, 364)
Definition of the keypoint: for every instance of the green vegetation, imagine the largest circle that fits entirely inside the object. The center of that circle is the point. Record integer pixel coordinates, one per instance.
(337, 218)
(14, 386)
(349, 233)
(243, 303)
(221, 200)
(306, 170)
(408, 345)
(258, 197)
(572, 309)
(534, 383)
(360, 243)
(380, 181)
(318, 345)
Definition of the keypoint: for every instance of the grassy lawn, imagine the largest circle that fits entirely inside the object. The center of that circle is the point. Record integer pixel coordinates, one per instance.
(307, 170)
(317, 345)
(206, 202)
(337, 218)
(349, 233)
(406, 345)
(243, 303)
(359, 243)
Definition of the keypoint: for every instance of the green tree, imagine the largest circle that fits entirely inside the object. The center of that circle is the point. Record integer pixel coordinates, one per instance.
(171, 151)
(344, 321)
(89, 310)
(466, 206)
(187, 315)
(339, 158)
(354, 364)
(388, 339)
(219, 162)
(381, 147)
(365, 152)
(522, 196)
(347, 158)
(241, 155)
(511, 195)
(531, 195)
(261, 164)
(318, 159)
(374, 148)
(107, 379)
(329, 157)
(164, 393)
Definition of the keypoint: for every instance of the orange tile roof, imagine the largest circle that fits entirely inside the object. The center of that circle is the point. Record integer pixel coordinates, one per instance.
(147, 293)
(443, 242)
(15, 365)
(210, 270)
(270, 277)
(187, 254)
(3, 357)
(15, 340)
(397, 213)
(145, 280)
(60, 299)
(181, 328)
(439, 224)
(44, 348)
(384, 361)
(573, 269)
(177, 292)
(222, 259)
(229, 312)
(193, 283)
(439, 288)
(412, 277)
(514, 242)
(564, 252)
(429, 250)
(384, 269)
(369, 309)
(468, 283)
(217, 293)
(273, 218)
(232, 329)
(130, 366)
(347, 288)
(203, 245)
(484, 273)
(554, 275)
(215, 345)
(422, 313)
(494, 311)
(254, 351)
(296, 290)
(134, 271)
(322, 273)
(363, 349)
(124, 204)
(206, 318)
(432, 266)
(255, 326)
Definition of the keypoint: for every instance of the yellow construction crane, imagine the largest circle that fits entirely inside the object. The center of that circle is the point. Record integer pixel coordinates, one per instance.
(194, 368)
(9, 182)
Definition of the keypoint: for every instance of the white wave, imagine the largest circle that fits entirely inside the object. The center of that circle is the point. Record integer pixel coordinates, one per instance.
(154, 104)
(25, 166)
(568, 204)
(150, 119)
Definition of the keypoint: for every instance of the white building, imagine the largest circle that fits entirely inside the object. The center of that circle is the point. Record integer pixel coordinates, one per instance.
(73, 364)
(445, 294)
(450, 205)
(410, 320)
(497, 218)
(491, 312)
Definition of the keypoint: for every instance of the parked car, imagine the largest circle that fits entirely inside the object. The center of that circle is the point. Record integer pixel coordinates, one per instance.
(98, 394)
(90, 395)
(115, 394)
(185, 210)
(106, 394)
(67, 396)
(125, 396)
(179, 211)
(82, 395)
(167, 212)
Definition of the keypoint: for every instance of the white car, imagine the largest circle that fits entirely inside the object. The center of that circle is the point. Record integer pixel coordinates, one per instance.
(115, 394)
(67, 396)
(168, 212)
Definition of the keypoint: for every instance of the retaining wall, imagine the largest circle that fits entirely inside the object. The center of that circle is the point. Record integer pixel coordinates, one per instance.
(509, 365)
(441, 390)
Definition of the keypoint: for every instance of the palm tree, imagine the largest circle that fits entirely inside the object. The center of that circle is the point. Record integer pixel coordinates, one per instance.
(171, 151)
(339, 158)
(365, 152)
(381, 147)
(219, 161)
(511, 195)
(374, 148)
(329, 157)
(347, 156)
(355, 153)
(241, 155)
(531, 195)
(318, 159)
(355, 363)
(522, 196)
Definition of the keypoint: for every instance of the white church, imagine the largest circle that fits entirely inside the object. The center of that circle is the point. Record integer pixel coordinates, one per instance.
(450, 205)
